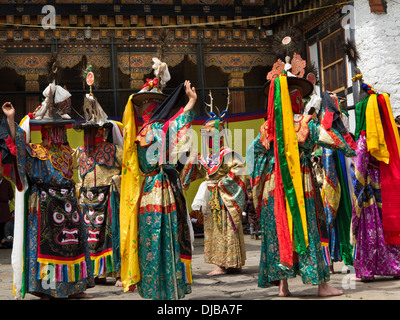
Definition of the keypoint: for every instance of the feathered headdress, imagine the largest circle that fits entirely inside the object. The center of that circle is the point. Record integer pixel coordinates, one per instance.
(287, 42)
(93, 112)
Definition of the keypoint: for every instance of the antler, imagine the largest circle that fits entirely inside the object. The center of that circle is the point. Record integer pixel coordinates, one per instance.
(228, 101)
(210, 105)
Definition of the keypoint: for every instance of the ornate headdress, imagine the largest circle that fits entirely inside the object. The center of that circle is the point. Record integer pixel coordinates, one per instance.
(152, 89)
(212, 133)
(95, 117)
(295, 70)
(54, 109)
(96, 126)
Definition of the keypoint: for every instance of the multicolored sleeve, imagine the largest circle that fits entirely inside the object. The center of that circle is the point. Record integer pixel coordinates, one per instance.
(192, 170)
(359, 176)
(331, 187)
(20, 161)
(330, 139)
(180, 135)
(257, 159)
(13, 152)
(232, 187)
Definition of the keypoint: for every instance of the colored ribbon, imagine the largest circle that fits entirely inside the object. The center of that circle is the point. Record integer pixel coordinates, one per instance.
(376, 143)
(281, 218)
(390, 175)
(289, 159)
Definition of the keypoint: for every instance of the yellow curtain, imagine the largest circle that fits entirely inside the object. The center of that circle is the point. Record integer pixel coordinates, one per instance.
(129, 201)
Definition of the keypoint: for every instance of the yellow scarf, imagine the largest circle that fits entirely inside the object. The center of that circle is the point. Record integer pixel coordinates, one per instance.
(292, 157)
(130, 192)
(375, 137)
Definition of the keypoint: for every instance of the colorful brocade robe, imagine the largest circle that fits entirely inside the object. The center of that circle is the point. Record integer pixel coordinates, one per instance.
(337, 204)
(224, 201)
(99, 192)
(52, 256)
(376, 182)
(312, 264)
(164, 242)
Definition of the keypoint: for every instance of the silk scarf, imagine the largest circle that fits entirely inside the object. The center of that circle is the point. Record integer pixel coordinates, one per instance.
(344, 210)
(281, 218)
(390, 174)
(289, 160)
(130, 191)
(376, 144)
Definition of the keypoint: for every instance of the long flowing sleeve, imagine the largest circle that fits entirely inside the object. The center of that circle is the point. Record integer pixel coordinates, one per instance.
(192, 170)
(179, 135)
(14, 152)
(359, 181)
(331, 188)
(19, 167)
(232, 187)
(330, 139)
(257, 159)
(130, 191)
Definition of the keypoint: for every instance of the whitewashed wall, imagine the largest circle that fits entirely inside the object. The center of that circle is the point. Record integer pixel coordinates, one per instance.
(377, 37)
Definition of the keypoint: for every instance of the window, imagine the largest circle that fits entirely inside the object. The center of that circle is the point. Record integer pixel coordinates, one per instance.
(333, 68)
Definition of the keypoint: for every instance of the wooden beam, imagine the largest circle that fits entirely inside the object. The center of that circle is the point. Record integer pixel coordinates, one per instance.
(378, 6)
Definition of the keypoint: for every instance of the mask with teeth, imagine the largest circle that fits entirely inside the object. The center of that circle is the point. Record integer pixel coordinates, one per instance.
(94, 204)
(61, 232)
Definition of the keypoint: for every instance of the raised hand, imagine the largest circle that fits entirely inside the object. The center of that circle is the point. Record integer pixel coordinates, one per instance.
(191, 94)
(190, 91)
(8, 110)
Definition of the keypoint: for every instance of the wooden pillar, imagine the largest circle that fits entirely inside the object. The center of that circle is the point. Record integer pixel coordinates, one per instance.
(237, 97)
(114, 74)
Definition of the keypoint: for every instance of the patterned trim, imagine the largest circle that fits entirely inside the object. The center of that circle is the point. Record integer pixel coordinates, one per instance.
(239, 181)
(61, 161)
(105, 155)
(234, 202)
(38, 151)
(145, 136)
(214, 169)
(301, 127)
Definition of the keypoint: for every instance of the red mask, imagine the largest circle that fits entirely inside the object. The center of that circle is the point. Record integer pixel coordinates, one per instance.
(297, 102)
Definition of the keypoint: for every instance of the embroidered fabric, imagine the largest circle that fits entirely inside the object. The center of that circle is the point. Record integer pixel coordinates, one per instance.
(105, 154)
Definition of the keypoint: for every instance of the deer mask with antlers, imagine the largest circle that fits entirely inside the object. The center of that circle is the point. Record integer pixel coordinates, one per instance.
(214, 125)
